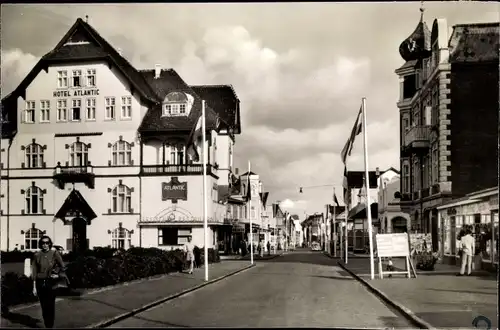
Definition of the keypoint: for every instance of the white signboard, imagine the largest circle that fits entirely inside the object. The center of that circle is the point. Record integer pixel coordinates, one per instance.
(392, 245)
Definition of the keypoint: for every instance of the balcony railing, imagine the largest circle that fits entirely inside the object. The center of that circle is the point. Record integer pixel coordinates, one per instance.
(418, 137)
(74, 174)
(184, 169)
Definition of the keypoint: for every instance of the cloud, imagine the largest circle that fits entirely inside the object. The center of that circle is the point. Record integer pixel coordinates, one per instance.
(15, 66)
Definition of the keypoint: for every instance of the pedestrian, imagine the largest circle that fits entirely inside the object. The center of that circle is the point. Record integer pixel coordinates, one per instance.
(467, 243)
(44, 262)
(390, 266)
(189, 247)
(268, 248)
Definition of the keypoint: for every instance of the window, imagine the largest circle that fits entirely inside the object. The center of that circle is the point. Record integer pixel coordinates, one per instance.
(127, 107)
(34, 200)
(62, 110)
(90, 109)
(122, 153)
(91, 78)
(31, 238)
(29, 112)
(76, 107)
(167, 110)
(44, 111)
(121, 199)
(176, 154)
(182, 108)
(121, 238)
(62, 79)
(406, 178)
(77, 78)
(34, 156)
(174, 109)
(435, 165)
(79, 154)
(173, 235)
(110, 108)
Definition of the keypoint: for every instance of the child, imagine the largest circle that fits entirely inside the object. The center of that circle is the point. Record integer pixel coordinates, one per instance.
(389, 267)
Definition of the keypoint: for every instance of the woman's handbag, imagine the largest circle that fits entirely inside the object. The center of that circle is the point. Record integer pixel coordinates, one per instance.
(60, 281)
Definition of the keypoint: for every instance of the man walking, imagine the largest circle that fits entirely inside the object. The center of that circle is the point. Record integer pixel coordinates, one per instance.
(468, 248)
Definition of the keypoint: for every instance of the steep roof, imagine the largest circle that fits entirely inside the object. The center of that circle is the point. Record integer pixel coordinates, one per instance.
(223, 99)
(94, 48)
(476, 42)
(8, 119)
(169, 81)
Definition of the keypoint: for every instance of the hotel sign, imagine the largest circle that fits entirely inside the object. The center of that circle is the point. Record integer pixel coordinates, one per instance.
(174, 190)
(78, 92)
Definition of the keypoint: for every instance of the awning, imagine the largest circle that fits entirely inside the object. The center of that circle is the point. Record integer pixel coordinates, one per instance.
(359, 211)
(75, 205)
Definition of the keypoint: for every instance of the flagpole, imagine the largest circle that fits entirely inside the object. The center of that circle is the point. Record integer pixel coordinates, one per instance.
(250, 216)
(367, 190)
(334, 229)
(205, 211)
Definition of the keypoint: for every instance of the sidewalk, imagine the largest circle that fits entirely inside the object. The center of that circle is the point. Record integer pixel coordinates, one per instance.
(440, 298)
(98, 306)
(247, 257)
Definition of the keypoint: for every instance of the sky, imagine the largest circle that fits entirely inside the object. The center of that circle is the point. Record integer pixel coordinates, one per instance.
(300, 71)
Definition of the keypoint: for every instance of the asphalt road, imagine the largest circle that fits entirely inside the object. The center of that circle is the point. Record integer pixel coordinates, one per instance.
(299, 289)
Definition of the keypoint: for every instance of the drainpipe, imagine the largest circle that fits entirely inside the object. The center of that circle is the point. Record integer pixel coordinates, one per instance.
(8, 193)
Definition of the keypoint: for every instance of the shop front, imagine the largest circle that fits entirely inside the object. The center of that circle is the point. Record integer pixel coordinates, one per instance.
(479, 212)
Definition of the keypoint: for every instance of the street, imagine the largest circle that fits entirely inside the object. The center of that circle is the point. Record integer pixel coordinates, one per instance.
(299, 289)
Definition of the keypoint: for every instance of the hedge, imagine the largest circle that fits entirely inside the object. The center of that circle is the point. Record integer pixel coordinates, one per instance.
(103, 267)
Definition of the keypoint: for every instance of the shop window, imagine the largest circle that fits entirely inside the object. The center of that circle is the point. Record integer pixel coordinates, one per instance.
(173, 235)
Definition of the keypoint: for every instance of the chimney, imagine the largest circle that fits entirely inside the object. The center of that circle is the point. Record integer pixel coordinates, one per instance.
(157, 71)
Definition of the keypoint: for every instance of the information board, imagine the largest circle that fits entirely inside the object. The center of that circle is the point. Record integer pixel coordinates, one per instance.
(392, 245)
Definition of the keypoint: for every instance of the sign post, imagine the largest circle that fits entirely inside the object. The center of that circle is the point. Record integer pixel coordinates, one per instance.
(393, 245)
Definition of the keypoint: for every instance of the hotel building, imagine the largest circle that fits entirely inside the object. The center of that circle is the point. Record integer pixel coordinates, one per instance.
(448, 109)
(93, 152)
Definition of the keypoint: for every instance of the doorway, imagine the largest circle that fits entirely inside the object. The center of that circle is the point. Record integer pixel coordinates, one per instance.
(79, 235)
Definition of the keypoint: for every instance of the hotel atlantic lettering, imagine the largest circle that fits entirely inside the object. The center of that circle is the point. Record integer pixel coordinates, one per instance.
(78, 92)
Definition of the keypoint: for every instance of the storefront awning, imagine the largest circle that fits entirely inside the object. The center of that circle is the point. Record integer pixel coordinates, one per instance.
(359, 211)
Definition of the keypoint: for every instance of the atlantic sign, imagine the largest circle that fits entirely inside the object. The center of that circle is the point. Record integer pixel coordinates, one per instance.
(78, 92)
(174, 190)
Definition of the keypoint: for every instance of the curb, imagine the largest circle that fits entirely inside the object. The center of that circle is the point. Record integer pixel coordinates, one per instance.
(255, 259)
(398, 306)
(143, 308)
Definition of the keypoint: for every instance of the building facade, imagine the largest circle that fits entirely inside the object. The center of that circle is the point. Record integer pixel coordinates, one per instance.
(93, 152)
(448, 106)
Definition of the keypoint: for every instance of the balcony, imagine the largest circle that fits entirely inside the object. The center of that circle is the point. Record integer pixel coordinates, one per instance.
(184, 169)
(417, 138)
(74, 174)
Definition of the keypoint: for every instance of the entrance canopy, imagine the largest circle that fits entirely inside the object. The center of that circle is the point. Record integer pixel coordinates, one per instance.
(75, 206)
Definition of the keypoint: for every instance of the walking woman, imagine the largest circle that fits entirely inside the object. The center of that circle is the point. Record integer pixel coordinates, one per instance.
(189, 247)
(43, 265)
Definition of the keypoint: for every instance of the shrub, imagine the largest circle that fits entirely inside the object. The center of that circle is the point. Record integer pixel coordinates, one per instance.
(426, 261)
(102, 267)
(15, 256)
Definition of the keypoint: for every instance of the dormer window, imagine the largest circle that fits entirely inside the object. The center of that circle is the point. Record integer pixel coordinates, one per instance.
(175, 104)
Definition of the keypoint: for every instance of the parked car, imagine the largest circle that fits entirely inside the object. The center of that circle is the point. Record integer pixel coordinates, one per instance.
(315, 246)
(60, 249)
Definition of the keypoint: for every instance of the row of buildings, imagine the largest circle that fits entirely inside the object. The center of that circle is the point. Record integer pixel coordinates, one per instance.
(449, 139)
(93, 153)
